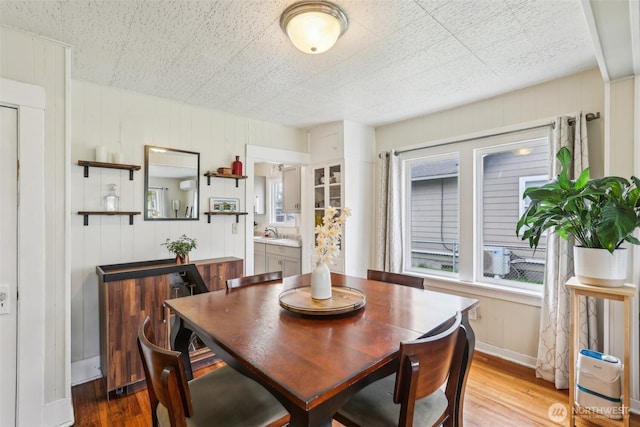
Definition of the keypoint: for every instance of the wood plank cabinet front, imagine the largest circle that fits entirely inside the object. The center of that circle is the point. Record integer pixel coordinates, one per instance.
(130, 292)
(216, 272)
(123, 306)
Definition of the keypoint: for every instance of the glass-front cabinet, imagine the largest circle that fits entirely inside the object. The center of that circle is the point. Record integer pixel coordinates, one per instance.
(328, 191)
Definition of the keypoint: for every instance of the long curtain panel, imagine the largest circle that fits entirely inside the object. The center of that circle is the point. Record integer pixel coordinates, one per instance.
(553, 346)
(389, 231)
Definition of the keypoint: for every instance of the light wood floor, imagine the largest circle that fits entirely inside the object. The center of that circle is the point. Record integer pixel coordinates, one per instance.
(498, 394)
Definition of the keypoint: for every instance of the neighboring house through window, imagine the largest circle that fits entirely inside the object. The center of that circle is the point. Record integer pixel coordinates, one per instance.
(462, 203)
(506, 170)
(434, 218)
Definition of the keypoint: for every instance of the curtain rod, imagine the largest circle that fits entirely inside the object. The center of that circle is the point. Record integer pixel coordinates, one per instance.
(589, 117)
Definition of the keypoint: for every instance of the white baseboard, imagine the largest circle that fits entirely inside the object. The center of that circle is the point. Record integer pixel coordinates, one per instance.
(59, 413)
(521, 359)
(85, 370)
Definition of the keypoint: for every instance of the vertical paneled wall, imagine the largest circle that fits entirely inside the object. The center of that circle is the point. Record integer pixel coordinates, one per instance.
(124, 122)
(583, 91)
(508, 327)
(31, 59)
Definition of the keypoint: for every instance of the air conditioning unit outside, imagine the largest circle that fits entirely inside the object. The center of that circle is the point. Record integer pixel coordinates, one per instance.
(497, 261)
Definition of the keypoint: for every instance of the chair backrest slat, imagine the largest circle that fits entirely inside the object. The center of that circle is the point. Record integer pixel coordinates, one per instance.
(254, 280)
(398, 278)
(425, 365)
(165, 376)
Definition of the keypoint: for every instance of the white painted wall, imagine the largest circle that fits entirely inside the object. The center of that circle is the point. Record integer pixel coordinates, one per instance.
(41, 62)
(507, 326)
(619, 145)
(124, 122)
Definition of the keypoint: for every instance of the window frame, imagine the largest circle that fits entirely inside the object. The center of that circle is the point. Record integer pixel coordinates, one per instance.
(271, 208)
(465, 146)
(479, 247)
(407, 249)
(522, 186)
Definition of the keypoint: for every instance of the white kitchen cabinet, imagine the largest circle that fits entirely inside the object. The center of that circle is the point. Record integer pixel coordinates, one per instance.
(343, 159)
(291, 190)
(283, 258)
(328, 145)
(259, 258)
(327, 191)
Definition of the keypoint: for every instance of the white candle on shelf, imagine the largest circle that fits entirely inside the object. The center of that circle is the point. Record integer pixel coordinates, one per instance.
(117, 158)
(102, 154)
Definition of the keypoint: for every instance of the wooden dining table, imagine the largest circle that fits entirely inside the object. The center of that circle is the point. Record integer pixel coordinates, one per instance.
(313, 363)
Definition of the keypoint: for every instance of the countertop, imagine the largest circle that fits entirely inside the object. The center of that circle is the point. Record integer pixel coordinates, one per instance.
(292, 243)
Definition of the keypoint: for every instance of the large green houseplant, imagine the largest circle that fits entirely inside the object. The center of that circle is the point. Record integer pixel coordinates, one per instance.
(598, 213)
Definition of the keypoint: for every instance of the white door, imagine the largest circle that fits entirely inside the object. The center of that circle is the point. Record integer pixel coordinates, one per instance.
(8, 262)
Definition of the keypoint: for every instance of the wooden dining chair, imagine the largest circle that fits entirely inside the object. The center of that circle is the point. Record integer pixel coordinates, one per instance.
(256, 279)
(222, 397)
(415, 395)
(400, 279)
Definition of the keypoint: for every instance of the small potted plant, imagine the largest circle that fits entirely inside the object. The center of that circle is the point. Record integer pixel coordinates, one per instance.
(599, 214)
(181, 247)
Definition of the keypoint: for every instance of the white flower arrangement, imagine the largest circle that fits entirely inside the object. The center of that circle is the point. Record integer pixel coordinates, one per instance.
(328, 234)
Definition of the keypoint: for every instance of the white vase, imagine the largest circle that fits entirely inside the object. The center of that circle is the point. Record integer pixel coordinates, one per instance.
(598, 267)
(321, 282)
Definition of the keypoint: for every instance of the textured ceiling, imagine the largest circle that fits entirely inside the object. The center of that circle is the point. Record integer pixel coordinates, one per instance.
(398, 59)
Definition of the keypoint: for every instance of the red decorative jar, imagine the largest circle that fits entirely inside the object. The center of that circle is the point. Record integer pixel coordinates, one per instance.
(236, 167)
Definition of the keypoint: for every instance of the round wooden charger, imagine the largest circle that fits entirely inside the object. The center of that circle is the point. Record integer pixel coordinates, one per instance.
(343, 300)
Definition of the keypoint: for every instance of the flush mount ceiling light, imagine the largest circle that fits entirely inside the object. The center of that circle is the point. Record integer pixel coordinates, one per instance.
(314, 26)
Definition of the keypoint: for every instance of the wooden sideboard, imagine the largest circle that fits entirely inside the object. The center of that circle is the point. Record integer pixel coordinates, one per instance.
(129, 292)
(216, 272)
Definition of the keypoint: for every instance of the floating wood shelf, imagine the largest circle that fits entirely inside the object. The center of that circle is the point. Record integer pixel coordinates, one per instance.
(87, 163)
(87, 213)
(237, 214)
(220, 175)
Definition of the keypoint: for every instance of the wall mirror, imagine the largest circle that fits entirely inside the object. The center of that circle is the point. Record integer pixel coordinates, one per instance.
(171, 184)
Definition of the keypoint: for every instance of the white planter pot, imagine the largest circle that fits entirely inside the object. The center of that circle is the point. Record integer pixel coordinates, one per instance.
(598, 267)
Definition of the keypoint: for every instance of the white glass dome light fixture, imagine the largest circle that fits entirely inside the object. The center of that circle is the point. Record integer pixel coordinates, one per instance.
(314, 26)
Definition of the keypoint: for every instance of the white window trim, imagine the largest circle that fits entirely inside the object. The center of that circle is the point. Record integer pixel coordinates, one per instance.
(271, 206)
(478, 268)
(466, 282)
(480, 289)
(406, 232)
(522, 185)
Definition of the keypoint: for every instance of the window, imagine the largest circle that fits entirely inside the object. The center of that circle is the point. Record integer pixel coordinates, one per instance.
(434, 232)
(278, 217)
(462, 202)
(155, 202)
(506, 171)
(529, 182)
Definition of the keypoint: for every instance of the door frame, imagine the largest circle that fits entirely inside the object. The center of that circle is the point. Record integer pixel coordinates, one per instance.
(9, 258)
(255, 154)
(30, 102)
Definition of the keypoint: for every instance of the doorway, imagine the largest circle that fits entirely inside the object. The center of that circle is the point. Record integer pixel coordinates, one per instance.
(8, 261)
(264, 155)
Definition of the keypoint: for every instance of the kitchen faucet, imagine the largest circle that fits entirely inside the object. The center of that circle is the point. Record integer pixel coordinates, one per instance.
(272, 230)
